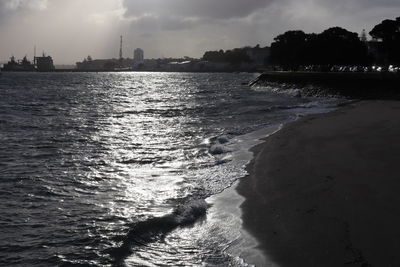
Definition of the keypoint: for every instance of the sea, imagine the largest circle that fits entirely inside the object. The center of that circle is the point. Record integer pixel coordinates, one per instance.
(133, 169)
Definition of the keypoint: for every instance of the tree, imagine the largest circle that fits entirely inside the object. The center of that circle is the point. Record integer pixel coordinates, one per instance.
(214, 56)
(237, 56)
(234, 57)
(339, 46)
(388, 32)
(287, 49)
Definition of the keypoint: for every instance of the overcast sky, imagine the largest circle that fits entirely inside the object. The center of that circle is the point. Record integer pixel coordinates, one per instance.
(70, 30)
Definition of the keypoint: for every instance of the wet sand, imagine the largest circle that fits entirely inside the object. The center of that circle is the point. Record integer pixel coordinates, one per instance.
(325, 190)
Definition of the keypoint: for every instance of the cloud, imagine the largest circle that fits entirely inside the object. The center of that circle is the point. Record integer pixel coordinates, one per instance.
(14, 5)
(151, 23)
(176, 15)
(72, 29)
(180, 15)
(10, 8)
(219, 9)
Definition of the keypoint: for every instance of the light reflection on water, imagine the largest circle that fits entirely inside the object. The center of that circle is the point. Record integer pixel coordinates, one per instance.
(88, 158)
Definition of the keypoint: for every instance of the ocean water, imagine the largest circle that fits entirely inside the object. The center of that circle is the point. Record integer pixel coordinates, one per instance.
(125, 169)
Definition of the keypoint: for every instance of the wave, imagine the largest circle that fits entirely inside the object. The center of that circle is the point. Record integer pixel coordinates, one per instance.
(157, 228)
(218, 150)
(218, 143)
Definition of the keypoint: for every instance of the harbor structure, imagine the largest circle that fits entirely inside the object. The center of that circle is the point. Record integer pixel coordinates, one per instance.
(44, 63)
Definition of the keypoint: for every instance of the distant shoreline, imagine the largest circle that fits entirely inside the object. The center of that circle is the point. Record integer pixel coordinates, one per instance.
(104, 71)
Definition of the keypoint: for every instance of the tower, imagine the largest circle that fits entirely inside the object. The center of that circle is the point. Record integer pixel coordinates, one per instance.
(120, 52)
(363, 37)
(34, 55)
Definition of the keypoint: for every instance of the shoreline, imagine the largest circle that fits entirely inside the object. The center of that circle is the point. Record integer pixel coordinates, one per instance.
(315, 194)
(354, 85)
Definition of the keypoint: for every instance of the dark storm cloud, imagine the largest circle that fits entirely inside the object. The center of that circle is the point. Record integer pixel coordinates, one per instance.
(365, 4)
(216, 9)
(173, 15)
(5, 10)
(357, 6)
(10, 8)
(166, 23)
(188, 14)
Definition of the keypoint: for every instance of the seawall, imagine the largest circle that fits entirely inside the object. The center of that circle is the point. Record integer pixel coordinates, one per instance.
(368, 85)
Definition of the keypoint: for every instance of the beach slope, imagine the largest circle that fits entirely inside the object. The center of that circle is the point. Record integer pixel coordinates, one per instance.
(325, 190)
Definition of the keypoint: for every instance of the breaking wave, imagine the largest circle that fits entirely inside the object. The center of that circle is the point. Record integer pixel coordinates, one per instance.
(156, 228)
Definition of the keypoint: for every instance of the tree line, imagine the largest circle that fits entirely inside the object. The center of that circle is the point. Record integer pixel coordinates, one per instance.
(234, 57)
(334, 46)
(338, 46)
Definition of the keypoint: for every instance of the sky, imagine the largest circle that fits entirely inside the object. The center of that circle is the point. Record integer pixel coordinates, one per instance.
(70, 30)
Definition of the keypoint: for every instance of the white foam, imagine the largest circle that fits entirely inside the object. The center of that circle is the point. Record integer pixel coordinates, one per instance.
(227, 213)
(226, 205)
(226, 210)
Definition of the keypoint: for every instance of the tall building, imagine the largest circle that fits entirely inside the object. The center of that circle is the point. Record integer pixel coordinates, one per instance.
(138, 58)
(138, 55)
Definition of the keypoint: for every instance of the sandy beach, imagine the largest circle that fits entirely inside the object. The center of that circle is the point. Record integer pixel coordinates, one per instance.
(325, 190)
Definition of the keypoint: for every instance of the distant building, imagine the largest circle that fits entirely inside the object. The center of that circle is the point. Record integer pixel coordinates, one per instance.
(89, 64)
(138, 58)
(44, 63)
(138, 55)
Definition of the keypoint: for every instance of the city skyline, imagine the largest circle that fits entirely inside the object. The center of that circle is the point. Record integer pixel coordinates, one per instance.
(71, 30)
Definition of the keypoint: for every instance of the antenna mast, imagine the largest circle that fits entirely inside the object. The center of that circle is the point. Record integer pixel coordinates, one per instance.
(120, 51)
(34, 55)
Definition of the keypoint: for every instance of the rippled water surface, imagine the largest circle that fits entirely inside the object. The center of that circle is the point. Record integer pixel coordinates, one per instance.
(114, 168)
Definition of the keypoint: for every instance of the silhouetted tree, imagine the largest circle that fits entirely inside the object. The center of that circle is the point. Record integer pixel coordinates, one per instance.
(334, 46)
(233, 57)
(340, 47)
(388, 32)
(236, 56)
(214, 56)
(287, 49)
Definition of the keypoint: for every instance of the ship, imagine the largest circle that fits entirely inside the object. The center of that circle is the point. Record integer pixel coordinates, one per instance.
(41, 64)
(20, 65)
